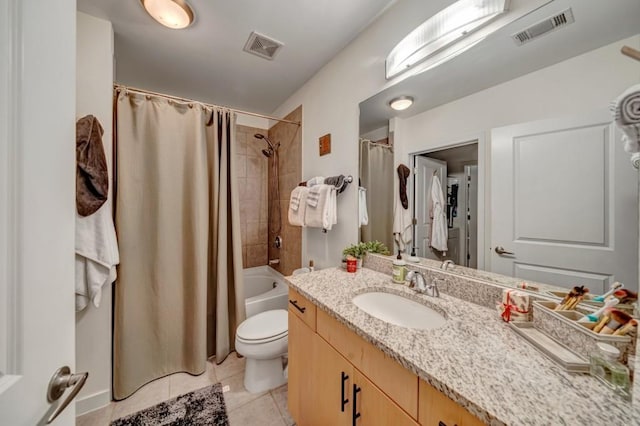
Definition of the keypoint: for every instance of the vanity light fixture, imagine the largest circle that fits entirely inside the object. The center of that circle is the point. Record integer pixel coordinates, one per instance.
(401, 103)
(174, 14)
(442, 31)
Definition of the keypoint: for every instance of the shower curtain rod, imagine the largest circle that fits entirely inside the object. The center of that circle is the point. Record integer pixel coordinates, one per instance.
(177, 98)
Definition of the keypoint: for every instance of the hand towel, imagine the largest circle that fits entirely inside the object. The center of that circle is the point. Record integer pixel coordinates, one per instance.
(96, 256)
(313, 196)
(403, 175)
(92, 176)
(626, 112)
(323, 214)
(439, 231)
(402, 225)
(298, 208)
(330, 217)
(363, 215)
(338, 181)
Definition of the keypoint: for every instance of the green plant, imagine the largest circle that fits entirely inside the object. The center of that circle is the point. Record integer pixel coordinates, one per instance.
(359, 250)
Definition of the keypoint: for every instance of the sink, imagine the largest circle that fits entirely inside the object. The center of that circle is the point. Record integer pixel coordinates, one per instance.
(399, 310)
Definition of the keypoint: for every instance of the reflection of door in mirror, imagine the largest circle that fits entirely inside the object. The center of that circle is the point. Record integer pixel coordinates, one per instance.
(376, 177)
(457, 171)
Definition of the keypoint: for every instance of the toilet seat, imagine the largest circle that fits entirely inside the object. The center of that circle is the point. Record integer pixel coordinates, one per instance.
(264, 327)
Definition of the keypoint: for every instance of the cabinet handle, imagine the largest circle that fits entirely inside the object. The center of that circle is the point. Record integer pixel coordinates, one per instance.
(343, 401)
(295, 305)
(441, 423)
(354, 411)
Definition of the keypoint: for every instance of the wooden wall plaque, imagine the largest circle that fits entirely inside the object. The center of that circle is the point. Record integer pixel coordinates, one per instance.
(324, 143)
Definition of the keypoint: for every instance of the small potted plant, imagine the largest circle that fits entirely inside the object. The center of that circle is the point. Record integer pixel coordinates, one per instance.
(359, 250)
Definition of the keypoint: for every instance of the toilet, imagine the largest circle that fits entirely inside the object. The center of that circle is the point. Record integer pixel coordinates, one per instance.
(262, 339)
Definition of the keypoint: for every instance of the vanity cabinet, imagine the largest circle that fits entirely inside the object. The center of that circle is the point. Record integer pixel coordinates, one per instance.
(338, 378)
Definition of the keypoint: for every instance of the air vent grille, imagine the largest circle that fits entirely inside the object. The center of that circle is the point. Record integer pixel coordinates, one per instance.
(544, 27)
(262, 46)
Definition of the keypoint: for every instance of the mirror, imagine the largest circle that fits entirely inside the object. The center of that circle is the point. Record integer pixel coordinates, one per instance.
(531, 169)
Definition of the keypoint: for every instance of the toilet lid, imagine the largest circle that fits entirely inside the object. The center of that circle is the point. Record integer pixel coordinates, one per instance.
(264, 325)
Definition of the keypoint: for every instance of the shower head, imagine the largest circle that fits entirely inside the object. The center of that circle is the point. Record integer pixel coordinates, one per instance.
(271, 145)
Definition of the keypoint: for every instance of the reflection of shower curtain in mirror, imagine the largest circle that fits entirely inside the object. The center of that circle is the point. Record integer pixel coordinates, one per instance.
(376, 175)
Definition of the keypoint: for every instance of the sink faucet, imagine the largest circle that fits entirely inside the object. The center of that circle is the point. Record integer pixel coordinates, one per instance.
(419, 284)
(446, 264)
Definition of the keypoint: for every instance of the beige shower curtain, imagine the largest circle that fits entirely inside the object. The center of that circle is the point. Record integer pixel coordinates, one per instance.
(179, 295)
(376, 175)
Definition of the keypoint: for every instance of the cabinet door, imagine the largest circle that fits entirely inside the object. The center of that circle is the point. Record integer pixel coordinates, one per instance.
(436, 409)
(301, 357)
(372, 407)
(333, 384)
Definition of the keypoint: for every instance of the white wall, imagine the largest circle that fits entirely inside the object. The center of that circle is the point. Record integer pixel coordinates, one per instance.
(94, 96)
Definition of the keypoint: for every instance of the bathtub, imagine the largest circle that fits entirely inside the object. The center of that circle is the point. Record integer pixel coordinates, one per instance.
(264, 290)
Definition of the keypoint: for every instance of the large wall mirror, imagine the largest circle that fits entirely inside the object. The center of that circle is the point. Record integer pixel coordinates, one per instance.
(520, 141)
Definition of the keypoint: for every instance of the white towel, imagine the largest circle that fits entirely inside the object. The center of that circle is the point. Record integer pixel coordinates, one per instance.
(298, 208)
(317, 180)
(313, 196)
(324, 214)
(363, 215)
(439, 231)
(402, 225)
(96, 255)
(626, 112)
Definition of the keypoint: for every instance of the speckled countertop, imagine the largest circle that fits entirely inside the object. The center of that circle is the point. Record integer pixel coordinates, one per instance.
(475, 358)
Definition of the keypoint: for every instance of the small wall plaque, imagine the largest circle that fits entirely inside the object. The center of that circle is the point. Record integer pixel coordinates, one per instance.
(325, 144)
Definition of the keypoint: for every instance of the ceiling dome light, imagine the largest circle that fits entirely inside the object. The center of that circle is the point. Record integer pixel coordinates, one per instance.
(401, 103)
(174, 14)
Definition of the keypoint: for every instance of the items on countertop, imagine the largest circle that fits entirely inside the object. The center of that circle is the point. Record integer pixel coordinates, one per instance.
(595, 317)
(615, 322)
(606, 368)
(526, 286)
(615, 286)
(515, 306)
(92, 176)
(399, 269)
(572, 299)
(626, 296)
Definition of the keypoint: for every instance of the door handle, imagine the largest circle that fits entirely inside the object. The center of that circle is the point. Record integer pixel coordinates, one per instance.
(500, 250)
(343, 401)
(60, 381)
(354, 411)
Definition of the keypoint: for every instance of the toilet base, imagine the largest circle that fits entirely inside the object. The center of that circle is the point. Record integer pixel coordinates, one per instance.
(263, 374)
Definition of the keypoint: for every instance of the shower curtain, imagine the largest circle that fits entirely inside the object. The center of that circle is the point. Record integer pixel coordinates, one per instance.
(179, 295)
(376, 175)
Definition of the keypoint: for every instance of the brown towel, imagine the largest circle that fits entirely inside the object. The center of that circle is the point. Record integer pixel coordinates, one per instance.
(92, 178)
(403, 174)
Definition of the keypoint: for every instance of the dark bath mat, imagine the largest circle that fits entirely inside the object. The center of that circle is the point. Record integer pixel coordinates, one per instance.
(201, 407)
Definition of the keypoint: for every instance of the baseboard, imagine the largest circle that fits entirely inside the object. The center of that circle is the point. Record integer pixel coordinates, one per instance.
(93, 402)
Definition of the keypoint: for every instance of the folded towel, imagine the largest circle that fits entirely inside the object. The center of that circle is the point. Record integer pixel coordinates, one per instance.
(314, 195)
(363, 215)
(323, 214)
(338, 181)
(296, 215)
(626, 112)
(96, 256)
(318, 180)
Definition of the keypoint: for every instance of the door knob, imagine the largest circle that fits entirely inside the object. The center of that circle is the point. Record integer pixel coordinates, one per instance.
(60, 381)
(500, 250)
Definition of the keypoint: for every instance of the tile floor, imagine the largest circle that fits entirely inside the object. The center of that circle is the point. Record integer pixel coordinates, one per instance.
(243, 408)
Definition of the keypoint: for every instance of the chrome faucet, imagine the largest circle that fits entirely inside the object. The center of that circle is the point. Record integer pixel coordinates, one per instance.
(446, 263)
(418, 283)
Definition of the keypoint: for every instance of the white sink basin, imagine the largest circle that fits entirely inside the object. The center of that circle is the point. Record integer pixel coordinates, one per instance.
(399, 310)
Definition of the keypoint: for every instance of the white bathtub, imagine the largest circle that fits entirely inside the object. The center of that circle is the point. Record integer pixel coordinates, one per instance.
(264, 290)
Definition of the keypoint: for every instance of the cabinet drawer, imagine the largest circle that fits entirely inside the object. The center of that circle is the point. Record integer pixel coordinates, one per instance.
(437, 409)
(302, 308)
(392, 378)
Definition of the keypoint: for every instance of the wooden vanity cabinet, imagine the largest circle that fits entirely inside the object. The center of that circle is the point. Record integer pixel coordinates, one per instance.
(436, 409)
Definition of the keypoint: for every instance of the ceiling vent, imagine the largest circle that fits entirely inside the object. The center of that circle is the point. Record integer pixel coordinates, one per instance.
(560, 20)
(262, 46)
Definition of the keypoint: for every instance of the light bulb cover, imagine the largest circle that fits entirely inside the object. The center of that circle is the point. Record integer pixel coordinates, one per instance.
(401, 103)
(174, 14)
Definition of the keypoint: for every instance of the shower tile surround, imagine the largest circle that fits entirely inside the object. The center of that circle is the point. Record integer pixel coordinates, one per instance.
(252, 183)
(475, 359)
(290, 174)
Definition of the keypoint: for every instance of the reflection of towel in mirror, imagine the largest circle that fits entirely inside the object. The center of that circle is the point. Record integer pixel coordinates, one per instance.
(96, 256)
(439, 232)
(298, 205)
(402, 225)
(626, 112)
(363, 215)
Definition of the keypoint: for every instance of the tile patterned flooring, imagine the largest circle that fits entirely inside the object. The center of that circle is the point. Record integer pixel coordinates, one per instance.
(243, 408)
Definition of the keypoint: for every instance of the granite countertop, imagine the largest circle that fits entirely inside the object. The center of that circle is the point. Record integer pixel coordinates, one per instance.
(475, 358)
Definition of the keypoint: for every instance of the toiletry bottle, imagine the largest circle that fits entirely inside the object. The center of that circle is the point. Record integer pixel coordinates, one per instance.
(311, 267)
(399, 270)
(606, 368)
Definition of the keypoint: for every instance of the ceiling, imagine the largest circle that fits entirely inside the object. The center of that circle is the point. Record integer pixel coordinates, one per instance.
(497, 58)
(206, 61)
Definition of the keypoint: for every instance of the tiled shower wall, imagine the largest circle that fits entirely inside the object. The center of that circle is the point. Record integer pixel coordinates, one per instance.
(290, 167)
(252, 179)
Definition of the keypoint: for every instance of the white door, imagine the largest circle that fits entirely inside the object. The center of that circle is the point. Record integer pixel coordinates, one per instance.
(424, 168)
(37, 202)
(565, 202)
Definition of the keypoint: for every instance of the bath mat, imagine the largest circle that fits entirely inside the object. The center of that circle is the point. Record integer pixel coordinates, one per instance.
(201, 407)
